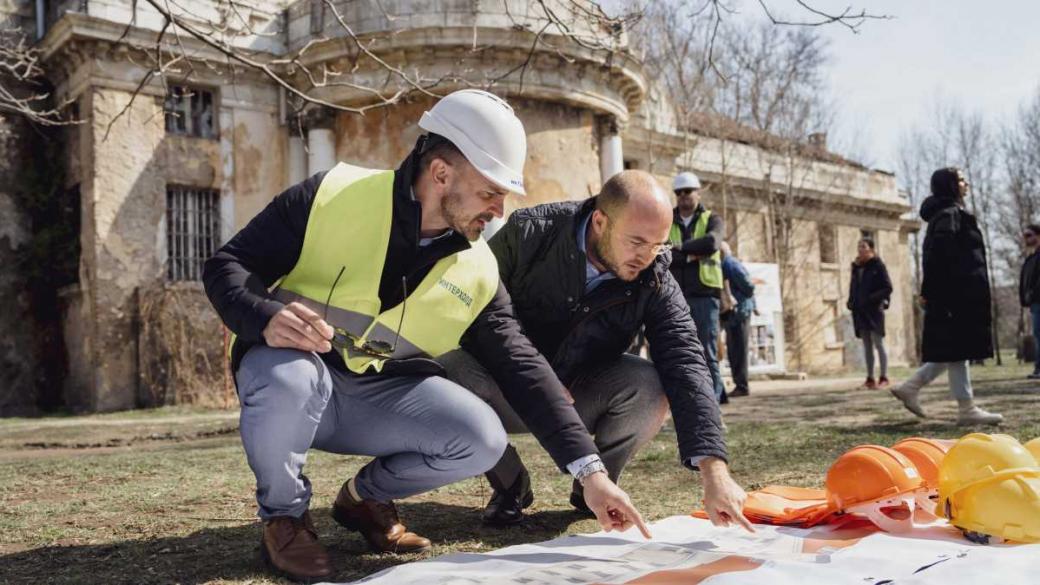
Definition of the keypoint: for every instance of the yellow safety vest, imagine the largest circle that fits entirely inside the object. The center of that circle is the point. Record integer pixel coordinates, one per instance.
(349, 229)
(711, 267)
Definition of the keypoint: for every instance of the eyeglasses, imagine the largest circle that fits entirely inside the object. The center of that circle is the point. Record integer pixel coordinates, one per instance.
(344, 340)
(1029, 235)
(655, 249)
(634, 244)
(684, 192)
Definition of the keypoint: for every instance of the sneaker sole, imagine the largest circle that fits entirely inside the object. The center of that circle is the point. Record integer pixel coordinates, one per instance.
(343, 520)
(970, 423)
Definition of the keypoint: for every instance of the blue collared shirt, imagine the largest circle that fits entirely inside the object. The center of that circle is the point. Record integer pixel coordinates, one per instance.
(593, 277)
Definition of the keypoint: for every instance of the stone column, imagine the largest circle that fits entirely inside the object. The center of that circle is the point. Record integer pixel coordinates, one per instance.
(297, 160)
(321, 143)
(611, 161)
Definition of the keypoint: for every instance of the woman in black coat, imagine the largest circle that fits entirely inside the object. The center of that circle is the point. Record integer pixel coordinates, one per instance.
(956, 298)
(869, 292)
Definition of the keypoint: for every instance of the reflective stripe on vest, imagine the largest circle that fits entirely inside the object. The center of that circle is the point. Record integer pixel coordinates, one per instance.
(349, 229)
(711, 267)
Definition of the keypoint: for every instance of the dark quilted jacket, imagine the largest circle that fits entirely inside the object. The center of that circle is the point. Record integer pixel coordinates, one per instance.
(544, 271)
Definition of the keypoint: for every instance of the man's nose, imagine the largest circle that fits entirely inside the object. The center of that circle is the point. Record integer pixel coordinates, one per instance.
(498, 206)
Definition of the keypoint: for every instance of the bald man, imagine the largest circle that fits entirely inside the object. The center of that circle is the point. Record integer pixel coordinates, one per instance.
(584, 277)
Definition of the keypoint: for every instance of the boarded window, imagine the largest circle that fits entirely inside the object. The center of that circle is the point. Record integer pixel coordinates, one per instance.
(832, 326)
(828, 244)
(190, 112)
(192, 230)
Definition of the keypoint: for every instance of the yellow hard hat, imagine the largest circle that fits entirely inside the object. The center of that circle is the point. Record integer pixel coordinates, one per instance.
(989, 486)
(980, 457)
(1034, 448)
(1007, 508)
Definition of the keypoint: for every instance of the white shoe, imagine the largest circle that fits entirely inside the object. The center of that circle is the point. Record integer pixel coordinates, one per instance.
(976, 416)
(908, 396)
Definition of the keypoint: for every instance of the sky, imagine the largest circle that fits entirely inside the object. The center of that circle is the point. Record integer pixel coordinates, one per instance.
(984, 56)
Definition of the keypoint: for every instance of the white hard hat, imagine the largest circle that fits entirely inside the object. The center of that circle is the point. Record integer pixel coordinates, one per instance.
(484, 127)
(686, 180)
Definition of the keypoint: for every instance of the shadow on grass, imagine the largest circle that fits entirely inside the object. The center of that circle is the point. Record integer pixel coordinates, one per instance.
(232, 552)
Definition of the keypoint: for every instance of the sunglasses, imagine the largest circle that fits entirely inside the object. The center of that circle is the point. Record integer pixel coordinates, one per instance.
(344, 340)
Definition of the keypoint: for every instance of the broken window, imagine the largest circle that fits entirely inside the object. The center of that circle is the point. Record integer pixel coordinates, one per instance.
(190, 112)
(192, 231)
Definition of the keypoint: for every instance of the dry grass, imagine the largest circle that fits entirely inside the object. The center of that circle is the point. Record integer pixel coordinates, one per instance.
(165, 496)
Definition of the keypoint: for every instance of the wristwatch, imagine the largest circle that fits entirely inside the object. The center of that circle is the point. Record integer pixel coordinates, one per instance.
(589, 468)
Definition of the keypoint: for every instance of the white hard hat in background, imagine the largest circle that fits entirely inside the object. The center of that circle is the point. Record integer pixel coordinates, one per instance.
(486, 131)
(686, 180)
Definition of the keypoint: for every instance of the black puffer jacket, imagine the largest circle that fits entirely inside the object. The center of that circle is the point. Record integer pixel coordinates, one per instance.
(1029, 281)
(955, 287)
(869, 291)
(541, 265)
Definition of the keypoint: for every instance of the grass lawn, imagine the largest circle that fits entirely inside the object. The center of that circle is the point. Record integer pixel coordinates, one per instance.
(165, 496)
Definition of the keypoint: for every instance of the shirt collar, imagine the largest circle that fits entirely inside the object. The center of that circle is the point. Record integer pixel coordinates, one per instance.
(593, 276)
(423, 242)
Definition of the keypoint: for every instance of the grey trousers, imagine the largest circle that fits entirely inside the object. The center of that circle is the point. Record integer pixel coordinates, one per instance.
(621, 403)
(425, 432)
(871, 340)
(957, 372)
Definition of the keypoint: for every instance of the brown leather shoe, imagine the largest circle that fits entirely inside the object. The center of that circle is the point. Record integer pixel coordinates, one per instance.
(290, 546)
(378, 523)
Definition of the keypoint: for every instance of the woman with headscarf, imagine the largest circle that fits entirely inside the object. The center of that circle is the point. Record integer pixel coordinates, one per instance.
(869, 291)
(955, 294)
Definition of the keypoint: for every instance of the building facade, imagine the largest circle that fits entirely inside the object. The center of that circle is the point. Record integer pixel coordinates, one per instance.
(163, 169)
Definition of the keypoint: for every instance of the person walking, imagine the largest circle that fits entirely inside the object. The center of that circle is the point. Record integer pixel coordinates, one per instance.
(1029, 288)
(955, 293)
(739, 296)
(695, 237)
(869, 291)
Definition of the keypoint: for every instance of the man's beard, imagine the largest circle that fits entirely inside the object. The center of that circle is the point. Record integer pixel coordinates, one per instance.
(451, 208)
(605, 254)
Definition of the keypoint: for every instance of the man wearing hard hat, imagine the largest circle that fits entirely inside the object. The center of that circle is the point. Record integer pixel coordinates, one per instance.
(696, 236)
(342, 291)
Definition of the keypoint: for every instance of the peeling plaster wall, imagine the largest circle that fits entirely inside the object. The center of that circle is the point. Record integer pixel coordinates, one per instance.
(123, 200)
(259, 148)
(562, 152)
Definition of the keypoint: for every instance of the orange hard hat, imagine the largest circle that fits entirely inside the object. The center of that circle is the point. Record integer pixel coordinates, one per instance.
(926, 455)
(870, 473)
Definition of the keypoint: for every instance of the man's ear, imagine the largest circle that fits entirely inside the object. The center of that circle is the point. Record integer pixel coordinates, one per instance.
(440, 171)
(599, 221)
